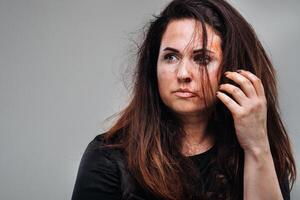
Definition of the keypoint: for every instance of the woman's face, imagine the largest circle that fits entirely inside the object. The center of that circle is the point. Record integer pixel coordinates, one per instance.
(179, 63)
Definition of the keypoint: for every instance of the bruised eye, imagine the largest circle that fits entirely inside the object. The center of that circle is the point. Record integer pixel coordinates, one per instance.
(170, 58)
(202, 59)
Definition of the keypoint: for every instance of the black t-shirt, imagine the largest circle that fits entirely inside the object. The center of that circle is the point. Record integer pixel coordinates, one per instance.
(102, 175)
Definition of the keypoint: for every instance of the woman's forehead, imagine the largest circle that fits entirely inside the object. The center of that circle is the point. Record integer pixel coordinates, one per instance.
(186, 35)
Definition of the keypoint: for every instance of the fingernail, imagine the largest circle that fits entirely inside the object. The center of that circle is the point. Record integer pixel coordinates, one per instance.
(238, 71)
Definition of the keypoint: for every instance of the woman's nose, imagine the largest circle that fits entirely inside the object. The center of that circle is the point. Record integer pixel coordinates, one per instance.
(183, 72)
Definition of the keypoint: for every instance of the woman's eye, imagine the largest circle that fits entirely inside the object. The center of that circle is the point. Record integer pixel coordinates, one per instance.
(170, 58)
(202, 60)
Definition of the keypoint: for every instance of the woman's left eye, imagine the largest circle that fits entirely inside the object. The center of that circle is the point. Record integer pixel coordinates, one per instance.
(202, 59)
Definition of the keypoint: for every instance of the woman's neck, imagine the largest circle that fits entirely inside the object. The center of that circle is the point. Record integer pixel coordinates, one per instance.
(198, 138)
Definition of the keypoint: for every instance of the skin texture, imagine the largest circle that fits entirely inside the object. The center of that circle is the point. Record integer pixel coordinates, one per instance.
(182, 70)
(249, 111)
(248, 104)
(172, 71)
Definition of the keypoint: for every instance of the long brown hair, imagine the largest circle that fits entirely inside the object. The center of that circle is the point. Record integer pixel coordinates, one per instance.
(151, 135)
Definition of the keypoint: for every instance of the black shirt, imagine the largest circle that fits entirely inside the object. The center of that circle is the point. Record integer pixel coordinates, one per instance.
(103, 176)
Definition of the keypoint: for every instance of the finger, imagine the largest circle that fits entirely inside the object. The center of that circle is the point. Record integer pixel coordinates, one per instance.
(243, 82)
(229, 103)
(237, 93)
(255, 81)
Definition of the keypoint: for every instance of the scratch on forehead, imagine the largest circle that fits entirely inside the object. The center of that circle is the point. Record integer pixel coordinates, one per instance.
(186, 36)
(196, 36)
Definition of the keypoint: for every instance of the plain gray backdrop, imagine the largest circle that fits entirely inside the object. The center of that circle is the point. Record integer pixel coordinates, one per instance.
(61, 69)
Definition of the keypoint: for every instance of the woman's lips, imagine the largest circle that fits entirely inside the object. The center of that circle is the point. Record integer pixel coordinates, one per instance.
(185, 94)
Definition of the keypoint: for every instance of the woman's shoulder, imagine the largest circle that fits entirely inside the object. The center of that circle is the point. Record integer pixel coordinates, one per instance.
(99, 172)
(98, 148)
(98, 156)
(103, 171)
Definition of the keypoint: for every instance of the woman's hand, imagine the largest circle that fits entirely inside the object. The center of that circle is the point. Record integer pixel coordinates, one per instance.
(248, 108)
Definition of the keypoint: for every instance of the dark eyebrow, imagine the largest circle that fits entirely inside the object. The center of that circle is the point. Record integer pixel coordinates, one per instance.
(195, 51)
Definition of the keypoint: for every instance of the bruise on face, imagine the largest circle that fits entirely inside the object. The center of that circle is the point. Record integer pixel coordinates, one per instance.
(180, 45)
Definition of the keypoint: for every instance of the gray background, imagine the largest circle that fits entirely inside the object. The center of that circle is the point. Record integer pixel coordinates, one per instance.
(61, 66)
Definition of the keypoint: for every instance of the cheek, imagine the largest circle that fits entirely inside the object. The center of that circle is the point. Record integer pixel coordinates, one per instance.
(165, 77)
(213, 71)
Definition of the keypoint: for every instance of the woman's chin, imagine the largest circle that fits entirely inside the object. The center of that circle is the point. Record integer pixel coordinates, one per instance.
(187, 110)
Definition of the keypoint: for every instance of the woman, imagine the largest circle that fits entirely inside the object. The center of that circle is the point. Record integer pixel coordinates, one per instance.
(203, 121)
